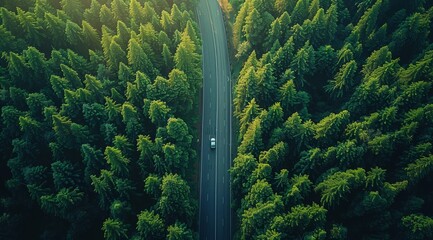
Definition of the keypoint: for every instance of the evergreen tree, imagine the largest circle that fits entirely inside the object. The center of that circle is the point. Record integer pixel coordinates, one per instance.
(187, 60)
(179, 231)
(120, 10)
(91, 15)
(175, 201)
(138, 59)
(150, 225)
(114, 229)
(73, 8)
(107, 17)
(116, 55)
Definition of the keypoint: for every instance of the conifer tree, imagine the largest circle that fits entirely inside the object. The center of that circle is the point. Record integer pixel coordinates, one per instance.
(114, 229)
(116, 55)
(120, 10)
(73, 8)
(138, 59)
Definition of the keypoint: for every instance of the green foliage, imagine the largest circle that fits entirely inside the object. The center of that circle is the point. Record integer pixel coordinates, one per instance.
(175, 198)
(343, 79)
(328, 127)
(179, 231)
(275, 155)
(74, 76)
(255, 219)
(299, 188)
(335, 187)
(63, 202)
(335, 96)
(114, 229)
(303, 63)
(420, 168)
(302, 217)
(249, 113)
(243, 166)
(150, 225)
(64, 175)
(116, 160)
(418, 226)
(252, 140)
(245, 89)
(138, 59)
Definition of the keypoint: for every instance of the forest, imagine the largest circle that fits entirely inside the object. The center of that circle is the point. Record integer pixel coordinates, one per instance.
(99, 106)
(334, 109)
(333, 105)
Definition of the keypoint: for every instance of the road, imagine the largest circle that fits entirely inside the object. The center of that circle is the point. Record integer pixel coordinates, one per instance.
(215, 212)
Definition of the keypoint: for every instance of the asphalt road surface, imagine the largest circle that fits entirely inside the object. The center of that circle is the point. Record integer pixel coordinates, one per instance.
(215, 212)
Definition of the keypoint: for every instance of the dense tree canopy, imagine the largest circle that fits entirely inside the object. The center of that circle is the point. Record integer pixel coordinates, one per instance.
(333, 104)
(98, 103)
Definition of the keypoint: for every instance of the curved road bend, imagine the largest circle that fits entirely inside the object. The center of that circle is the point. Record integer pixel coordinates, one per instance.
(215, 212)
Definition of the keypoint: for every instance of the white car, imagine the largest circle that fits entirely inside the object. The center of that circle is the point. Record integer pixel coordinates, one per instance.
(212, 143)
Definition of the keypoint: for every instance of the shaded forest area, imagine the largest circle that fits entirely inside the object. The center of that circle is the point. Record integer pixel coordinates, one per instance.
(99, 101)
(334, 104)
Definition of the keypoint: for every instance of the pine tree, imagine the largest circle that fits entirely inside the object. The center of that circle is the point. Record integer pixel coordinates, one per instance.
(73, 8)
(159, 112)
(275, 155)
(107, 17)
(19, 70)
(331, 125)
(300, 11)
(9, 43)
(123, 34)
(63, 202)
(138, 59)
(368, 21)
(115, 56)
(274, 34)
(332, 21)
(314, 7)
(303, 63)
(90, 36)
(420, 168)
(31, 28)
(255, 27)
(91, 15)
(74, 35)
(167, 59)
(343, 79)
(175, 202)
(255, 219)
(150, 225)
(282, 6)
(114, 229)
(120, 10)
(11, 22)
(150, 13)
(318, 22)
(166, 22)
(418, 226)
(187, 60)
(64, 175)
(179, 231)
(103, 186)
(137, 14)
(249, 113)
(252, 141)
(267, 85)
(131, 120)
(246, 89)
(71, 76)
(239, 23)
(336, 186)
